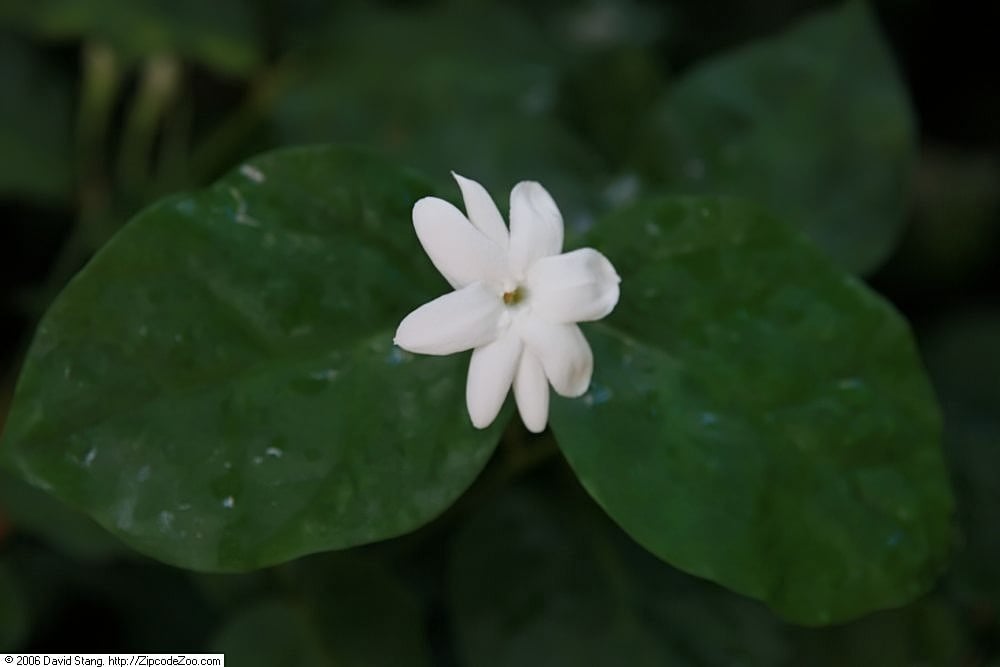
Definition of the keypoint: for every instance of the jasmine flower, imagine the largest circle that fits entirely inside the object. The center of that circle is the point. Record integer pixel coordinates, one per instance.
(516, 302)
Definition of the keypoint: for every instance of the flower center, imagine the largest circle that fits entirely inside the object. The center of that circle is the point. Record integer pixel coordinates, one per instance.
(513, 297)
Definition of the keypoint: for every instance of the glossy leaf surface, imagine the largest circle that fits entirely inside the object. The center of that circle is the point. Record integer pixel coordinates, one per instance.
(219, 387)
(757, 417)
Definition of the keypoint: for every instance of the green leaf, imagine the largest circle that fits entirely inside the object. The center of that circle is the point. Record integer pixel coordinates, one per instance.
(219, 388)
(814, 123)
(759, 418)
(342, 611)
(219, 34)
(35, 123)
(551, 582)
(13, 612)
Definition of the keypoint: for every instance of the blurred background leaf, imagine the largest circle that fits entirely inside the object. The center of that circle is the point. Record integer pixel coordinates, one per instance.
(337, 610)
(603, 94)
(927, 632)
(113, 596)
(37, 513)
(469, 88)
(36, 123)
(13, 611)
(542, 578)
(270, 633)
(813, 123)
(965, 363)
(220, 35)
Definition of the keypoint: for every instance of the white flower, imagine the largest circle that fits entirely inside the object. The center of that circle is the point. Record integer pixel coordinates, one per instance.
(516, 300)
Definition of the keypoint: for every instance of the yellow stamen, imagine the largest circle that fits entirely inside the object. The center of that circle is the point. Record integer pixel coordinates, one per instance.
(513, 297)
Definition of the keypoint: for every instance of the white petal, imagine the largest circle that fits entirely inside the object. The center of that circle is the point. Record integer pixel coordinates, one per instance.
(458, 321)
(563, 351)
(460, 252)
(482, 211)
(536, 226)
(491, 372)
(531, 391)
(578, 286)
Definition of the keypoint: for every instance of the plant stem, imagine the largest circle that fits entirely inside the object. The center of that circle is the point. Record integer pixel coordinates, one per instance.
(157, 88)
(101, 80)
